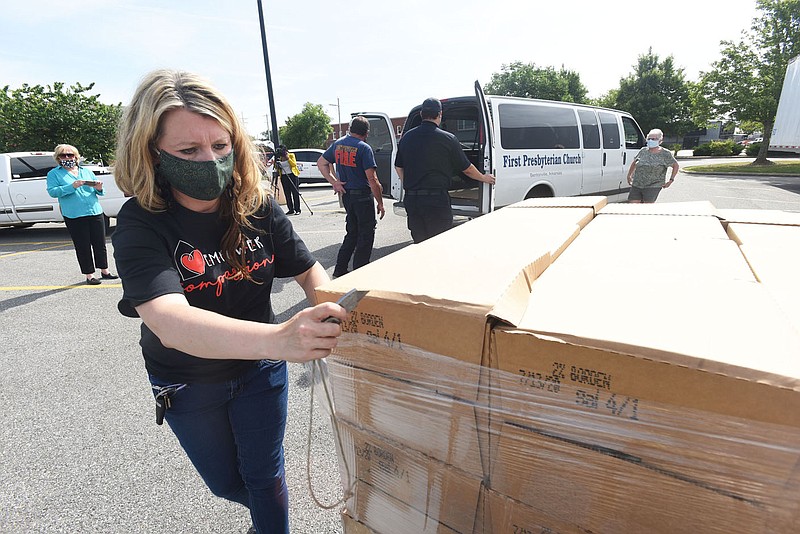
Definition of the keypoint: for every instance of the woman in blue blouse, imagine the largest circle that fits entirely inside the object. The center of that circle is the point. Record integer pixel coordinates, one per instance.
(77, 190)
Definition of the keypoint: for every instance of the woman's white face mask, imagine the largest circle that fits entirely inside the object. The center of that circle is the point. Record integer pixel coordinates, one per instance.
(652, 143)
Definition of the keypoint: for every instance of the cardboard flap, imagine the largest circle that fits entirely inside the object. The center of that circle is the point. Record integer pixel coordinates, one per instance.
(511, 306)
(470, 267)
(700, 207)
(756, 216)
(596, 203)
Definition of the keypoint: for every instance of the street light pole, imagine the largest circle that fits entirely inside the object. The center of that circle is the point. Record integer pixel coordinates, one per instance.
(339, 115)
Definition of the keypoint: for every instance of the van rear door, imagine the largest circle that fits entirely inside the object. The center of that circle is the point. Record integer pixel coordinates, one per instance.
(487, 190)
(613, 155)
(467, 118)
(383, 140)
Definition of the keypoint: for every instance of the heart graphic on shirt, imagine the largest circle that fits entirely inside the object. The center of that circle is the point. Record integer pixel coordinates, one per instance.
(194, 262)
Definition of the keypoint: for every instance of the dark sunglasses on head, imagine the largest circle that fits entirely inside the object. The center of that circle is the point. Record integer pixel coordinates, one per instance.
(67, 156)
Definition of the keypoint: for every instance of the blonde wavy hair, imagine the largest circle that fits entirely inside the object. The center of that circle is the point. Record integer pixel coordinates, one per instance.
(162, 91)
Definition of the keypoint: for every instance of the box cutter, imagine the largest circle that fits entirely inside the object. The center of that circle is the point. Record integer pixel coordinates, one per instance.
(348, 301)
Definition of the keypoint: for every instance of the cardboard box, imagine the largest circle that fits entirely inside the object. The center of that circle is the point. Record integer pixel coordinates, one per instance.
(604, 493)
(629, 356)
(504, 515)
(383, 513)
(435, 295)
(441, 492)
(414, 331)
(690, 370)
(440, 426)
(352, 526)
(773, 253)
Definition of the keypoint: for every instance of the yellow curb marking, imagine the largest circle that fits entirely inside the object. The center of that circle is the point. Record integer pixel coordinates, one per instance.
(32, 251)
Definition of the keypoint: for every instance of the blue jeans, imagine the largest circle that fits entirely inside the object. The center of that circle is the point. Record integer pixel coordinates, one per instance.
(360, 231)
(233, 434)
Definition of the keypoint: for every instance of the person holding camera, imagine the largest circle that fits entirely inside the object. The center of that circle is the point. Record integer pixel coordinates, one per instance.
(290, 179)
(358, 183)
(77, 190)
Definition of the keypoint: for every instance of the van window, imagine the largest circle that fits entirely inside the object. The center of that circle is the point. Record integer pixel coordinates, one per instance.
(462, 122)
(535, 126)
(608, 123)
(633, 135)
(380, 136)
(306, 156)
(589, 128)
(31, 166)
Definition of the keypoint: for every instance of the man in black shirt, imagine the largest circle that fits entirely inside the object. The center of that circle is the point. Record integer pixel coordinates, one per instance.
(427, 158)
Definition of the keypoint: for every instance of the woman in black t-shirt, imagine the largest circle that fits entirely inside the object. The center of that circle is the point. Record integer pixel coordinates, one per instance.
(197, 250)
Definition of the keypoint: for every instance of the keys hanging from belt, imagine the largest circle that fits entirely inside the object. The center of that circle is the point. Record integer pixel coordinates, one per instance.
(163, 400)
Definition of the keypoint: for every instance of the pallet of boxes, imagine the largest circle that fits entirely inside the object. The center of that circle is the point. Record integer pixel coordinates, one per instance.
(564, 365)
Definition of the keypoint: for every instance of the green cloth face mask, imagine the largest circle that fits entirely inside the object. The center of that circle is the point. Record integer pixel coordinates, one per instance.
(201, 180)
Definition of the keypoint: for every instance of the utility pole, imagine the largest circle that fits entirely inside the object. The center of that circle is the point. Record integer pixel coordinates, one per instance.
(275, 139)
(339, 115)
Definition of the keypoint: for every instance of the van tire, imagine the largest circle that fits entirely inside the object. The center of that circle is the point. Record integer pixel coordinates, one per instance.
(540, 191)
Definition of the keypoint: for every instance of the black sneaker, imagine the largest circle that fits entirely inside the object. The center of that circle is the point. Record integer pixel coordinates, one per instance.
(93, 281)
(109, 276)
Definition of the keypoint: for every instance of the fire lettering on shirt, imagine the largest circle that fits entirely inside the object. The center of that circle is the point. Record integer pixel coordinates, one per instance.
(346, 155)
(227, 275)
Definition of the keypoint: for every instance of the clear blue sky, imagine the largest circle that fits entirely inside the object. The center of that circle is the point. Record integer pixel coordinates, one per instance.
(373, 56)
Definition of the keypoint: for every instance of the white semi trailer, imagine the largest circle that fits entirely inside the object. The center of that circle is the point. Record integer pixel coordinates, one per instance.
(786, 132)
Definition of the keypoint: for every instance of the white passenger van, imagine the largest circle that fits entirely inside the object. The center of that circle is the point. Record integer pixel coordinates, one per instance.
(535, 148)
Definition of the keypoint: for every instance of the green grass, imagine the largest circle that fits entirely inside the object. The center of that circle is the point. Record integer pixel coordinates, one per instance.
(791, 168)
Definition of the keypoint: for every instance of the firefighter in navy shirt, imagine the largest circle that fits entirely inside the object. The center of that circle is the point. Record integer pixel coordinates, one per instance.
(427, 157)
(358, 182)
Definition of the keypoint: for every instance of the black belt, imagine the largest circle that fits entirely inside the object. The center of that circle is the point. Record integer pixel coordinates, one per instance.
(423, 192)
(358, 192)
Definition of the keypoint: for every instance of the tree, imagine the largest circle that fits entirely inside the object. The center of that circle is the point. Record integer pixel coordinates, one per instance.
(529, 81)
(745, 83)
(39, 118)
(607, 100)
(308, 129)
(657, 95)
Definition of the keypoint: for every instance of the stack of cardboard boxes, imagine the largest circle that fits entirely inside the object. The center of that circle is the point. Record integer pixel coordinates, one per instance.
(566, 366)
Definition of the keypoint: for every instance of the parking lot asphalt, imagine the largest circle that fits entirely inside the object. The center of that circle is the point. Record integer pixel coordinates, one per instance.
(80, 450)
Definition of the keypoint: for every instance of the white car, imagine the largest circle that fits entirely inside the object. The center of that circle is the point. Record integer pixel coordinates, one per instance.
(307, 165)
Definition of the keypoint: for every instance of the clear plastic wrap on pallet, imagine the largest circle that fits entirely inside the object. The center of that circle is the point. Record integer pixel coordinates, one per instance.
(575, 367)
(432, 444)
